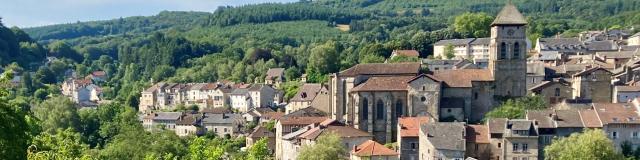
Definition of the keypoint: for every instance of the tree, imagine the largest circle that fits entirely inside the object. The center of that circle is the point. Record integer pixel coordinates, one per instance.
(259, 150)
(323, 60)
(202, 149)
(449, 52)
(327, 147)
(473, 24)
(402, 58)
(591, 144)
(14, 135)
(64, 144)
(57, 113)
(516, 108)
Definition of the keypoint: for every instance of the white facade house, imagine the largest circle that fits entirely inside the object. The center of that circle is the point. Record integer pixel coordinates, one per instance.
(623, 94)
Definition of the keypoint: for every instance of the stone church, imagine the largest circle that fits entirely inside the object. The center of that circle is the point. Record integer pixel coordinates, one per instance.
(371, 97)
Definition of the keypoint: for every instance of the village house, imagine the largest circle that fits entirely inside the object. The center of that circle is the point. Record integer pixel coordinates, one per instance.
(408, 136)
(511, 139)
(634, 40)
(623, 94)
(275, 77)
(262, 95)
(442, 140)
(306, 94)
(477, 144)
(286, 125)
(97, 76)
(163, 120)
(81, 90)
(167, 95)
(189, 124)
(621, 121)
(223, 125)
(554, 91)
(256, 115)
(370, 150)
(241, 100)
(592, 84)
(349, 136)
(262, 132)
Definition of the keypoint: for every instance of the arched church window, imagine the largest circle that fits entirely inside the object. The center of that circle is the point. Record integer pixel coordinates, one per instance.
(399, 109)
(503, 50)
(365, 109)
(380, 110)
(516, 50)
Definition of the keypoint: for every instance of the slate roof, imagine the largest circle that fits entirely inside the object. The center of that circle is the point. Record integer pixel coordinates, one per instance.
(509, 15)
(392, 83)
(548, 56)
(221, 118)
(608, 45)
(372, 148)
(217, 110)
(382, 69)
(240, 91)
(410, 126)
(463, 77)
(477, 134)
(569, 118)
(562, 43)
(454, 42)
(273, 73)
(519, 124)
(408, 53)
(301, 120)
(481, 41)
(189, 119)
(618, 54)
(544, 84)
(342, 131)
(260, 132)
(165, 115)
(628, 88)
(535, 68)
(445, 135)
(497, 125)
(543, 117)
(590, 70)
(307, 112)
(617, 113)
(307, 92)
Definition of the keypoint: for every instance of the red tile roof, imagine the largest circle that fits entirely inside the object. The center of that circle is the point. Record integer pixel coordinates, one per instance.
(590, 118)
(395, 83)
(383, 69)
(617, 113)
(477, 133)
(410, 126)
(372, 148)
(463, 77)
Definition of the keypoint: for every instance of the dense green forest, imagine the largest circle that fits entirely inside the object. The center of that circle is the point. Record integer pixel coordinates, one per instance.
(231, 43)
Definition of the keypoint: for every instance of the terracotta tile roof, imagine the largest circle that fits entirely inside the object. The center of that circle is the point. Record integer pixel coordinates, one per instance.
(477, 133)
(210, 86)
(301, 120)
(463, 77)
(98, 73)
(383, 69)
(307, 92)
(272, 115)
(408, 53)
(590, 118)
(410, 126)
(372, 148)
(509, 15)
(617, 113)
(395, 83)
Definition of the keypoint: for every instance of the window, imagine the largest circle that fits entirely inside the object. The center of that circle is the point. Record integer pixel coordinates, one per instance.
(475, 95)
(448, 110)
(516, 50)
(634, 135)
(423, 98)
(424, 88)
(225, 130)
(399, 108)
(413, 145)
(515, 147)
(515, 158)
(525, 147)
(614, 135)
(365, 109)
(503, 51)
(380, 110)
(525, 158)
(215, 130)
(499, 145)
(557, 92)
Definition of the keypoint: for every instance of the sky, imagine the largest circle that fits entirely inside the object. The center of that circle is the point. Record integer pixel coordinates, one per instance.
(33, 13)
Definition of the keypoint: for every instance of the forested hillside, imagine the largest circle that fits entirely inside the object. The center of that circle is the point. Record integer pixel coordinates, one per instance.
(240, 44)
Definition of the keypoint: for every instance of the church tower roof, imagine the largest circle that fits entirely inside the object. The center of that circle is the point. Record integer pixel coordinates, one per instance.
(509, 16)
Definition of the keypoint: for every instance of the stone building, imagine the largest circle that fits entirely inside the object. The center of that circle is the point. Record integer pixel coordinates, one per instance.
(554, 91)
(286, 125)
(408, 143)
(275, 76)
(442, 140)
(306, 94)
(593, 84)
(513, 139)
(477, 145)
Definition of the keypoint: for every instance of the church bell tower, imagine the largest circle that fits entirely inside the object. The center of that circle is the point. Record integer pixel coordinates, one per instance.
(507, 53)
